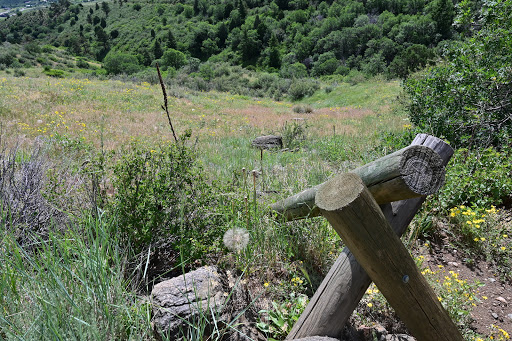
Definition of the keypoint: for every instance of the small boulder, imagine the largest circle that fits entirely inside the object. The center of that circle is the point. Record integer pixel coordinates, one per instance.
(183, 298)
(316, 338)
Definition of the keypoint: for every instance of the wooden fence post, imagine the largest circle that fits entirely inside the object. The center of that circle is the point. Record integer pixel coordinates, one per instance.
(408, 173)
(353, 212)
(347, 281)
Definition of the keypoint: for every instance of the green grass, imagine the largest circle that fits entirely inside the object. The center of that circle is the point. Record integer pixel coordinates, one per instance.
(69, 287)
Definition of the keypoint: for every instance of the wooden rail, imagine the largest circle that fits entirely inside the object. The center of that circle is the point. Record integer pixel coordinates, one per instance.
(408, 173)
(353, 212)
(346, 282)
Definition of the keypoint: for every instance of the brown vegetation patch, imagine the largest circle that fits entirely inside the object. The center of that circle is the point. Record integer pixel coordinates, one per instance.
(344, 112)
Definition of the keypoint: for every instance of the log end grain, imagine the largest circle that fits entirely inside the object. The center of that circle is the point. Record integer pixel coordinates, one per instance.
(422, 170)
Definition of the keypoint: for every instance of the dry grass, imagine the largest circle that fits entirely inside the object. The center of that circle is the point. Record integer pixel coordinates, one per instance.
(113, 112)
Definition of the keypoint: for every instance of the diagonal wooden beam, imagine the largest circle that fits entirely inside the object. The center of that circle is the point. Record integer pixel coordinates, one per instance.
(346, 282)
(355, 215)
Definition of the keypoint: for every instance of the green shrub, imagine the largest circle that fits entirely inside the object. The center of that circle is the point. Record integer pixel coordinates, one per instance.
(174, 58)
(7, 58)
(82, 63)
(302, 88)
(116, 63)
(467, 99)
(54, 73)
(294, 134)
(303, 109)
(19, 73)
(482, 177)
(295, 70)
(355, 77)
(161, 195)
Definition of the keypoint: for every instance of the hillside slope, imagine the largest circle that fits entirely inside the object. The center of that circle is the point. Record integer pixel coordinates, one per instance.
(296, 38)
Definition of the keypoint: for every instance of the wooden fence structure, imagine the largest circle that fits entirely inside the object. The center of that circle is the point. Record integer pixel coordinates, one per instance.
(398, 183)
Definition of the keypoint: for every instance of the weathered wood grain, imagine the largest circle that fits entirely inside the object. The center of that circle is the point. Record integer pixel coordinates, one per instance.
(347, 281)
(355, 215)
(410, 172)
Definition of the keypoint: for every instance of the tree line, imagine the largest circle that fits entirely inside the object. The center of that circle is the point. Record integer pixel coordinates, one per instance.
(295, 38)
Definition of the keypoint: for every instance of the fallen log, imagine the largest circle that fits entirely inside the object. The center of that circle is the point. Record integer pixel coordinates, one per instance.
(347, 281)
(408, 173)
(353, 212)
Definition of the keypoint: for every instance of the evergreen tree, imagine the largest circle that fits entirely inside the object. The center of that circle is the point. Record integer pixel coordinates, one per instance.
(222, 34)
(242, 8)
(257, 22)
(146, 58)
(171, 41)
(443, 13)
(157, 50)
(274, 58)
(105, 7)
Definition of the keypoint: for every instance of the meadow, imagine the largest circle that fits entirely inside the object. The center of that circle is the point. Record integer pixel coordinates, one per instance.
(85, 271)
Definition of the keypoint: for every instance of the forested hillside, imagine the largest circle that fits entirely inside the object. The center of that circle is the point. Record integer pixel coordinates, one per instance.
(296, 38)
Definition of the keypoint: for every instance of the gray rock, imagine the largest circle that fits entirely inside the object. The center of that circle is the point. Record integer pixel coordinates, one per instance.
(399, 337)
(182, 299)
(268, 142)
(316, 338)
(494, 315)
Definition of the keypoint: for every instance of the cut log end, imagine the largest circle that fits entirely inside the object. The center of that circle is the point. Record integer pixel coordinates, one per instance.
(328, 197)
(422, 170)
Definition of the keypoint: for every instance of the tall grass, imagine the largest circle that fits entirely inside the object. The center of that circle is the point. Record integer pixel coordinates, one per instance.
(69, 287)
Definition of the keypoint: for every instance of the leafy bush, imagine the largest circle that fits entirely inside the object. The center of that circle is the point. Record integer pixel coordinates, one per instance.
(482, 177)
(82, 63)
(467, 99)
(174, 58)
(117, 63)
(161, 196)
(54, 73)
(7, 58)
(295, 70)
(302, 88)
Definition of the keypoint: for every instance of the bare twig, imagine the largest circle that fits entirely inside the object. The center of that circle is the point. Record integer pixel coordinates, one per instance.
(165, 106)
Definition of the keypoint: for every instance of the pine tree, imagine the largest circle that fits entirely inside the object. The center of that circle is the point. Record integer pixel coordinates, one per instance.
(443, 13)
(157, 50)
(274, 58)
(171, 41)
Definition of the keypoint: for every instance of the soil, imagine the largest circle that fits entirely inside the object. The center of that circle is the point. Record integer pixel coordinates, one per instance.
(495, 305)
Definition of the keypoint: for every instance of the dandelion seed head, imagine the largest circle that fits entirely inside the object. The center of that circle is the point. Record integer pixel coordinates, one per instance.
(236, 239)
